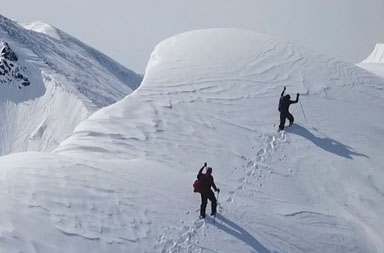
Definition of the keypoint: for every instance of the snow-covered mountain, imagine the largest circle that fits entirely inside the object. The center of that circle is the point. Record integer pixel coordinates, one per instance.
(49, 83)
(41, 27)
(123, 181)
(375, 61)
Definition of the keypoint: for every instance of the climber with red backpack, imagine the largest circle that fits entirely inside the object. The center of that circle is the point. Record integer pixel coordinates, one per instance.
(203, 185)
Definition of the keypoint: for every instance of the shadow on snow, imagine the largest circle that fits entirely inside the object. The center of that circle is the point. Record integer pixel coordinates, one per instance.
(238, 232)
(325, 143)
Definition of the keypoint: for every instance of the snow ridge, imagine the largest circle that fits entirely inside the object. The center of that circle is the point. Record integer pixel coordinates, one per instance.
(123, 180)
(377, 55)
(44, 81)
(75, 57)
(41, 27)
(375, 61)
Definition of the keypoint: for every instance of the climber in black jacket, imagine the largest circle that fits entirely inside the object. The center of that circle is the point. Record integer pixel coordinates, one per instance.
(284, 103)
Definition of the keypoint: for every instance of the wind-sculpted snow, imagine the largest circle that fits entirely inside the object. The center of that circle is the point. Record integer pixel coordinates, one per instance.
(377, 55)
(375, 61)
(49, 83)
(123, 181)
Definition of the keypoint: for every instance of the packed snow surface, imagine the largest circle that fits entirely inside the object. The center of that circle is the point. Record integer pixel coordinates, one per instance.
(123, 181)
(49, 83)
(375, 61)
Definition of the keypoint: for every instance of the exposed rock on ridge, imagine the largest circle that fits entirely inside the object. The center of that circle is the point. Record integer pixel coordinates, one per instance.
(10, 72)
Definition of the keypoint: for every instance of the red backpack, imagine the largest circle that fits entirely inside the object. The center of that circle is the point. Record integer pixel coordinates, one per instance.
(200, 182)
(196, 185)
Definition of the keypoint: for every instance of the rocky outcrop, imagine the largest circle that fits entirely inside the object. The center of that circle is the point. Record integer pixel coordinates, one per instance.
(10, 72)
(7, 53)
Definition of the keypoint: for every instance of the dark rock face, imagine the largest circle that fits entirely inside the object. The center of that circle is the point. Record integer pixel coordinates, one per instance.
(7, 53)
(10, 71)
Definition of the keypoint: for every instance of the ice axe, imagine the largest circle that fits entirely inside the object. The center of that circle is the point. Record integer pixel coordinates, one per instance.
(302, 109)
(217, 201)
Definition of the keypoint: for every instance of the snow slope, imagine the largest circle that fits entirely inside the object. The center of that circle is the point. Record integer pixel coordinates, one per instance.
(123, 181)
(41, 27)
(375, 61)
(67, 81)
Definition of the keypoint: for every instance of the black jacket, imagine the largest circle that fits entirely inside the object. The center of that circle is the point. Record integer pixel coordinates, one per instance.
(206, 180)
(285, 102)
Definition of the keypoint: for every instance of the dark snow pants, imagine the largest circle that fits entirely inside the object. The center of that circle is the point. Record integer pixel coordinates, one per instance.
(283, 116)
(204, 200)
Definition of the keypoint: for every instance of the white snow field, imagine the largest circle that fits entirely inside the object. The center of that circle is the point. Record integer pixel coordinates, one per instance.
(375, 61)
(123, 181)
(68, 82)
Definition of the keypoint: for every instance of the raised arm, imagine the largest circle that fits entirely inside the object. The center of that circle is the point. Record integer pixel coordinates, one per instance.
(297, 99)
(282, 93)
(201, 170)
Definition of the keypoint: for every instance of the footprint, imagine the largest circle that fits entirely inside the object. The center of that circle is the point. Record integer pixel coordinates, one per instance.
(260, 152)
(250, 164)
(229, 199)
(199, 223)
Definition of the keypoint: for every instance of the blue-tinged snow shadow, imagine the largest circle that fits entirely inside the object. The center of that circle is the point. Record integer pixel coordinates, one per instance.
(325, 143)
(238, 232)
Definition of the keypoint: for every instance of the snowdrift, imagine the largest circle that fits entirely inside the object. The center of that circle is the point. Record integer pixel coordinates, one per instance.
(375, 61)
(51, 85)
(123, 181)
(377, 55)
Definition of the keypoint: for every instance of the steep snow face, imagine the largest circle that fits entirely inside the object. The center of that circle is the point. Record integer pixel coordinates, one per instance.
(91, 73)
(47, 86)
(123, 180)
(375, 61)
(377, 55)
(110, 86)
